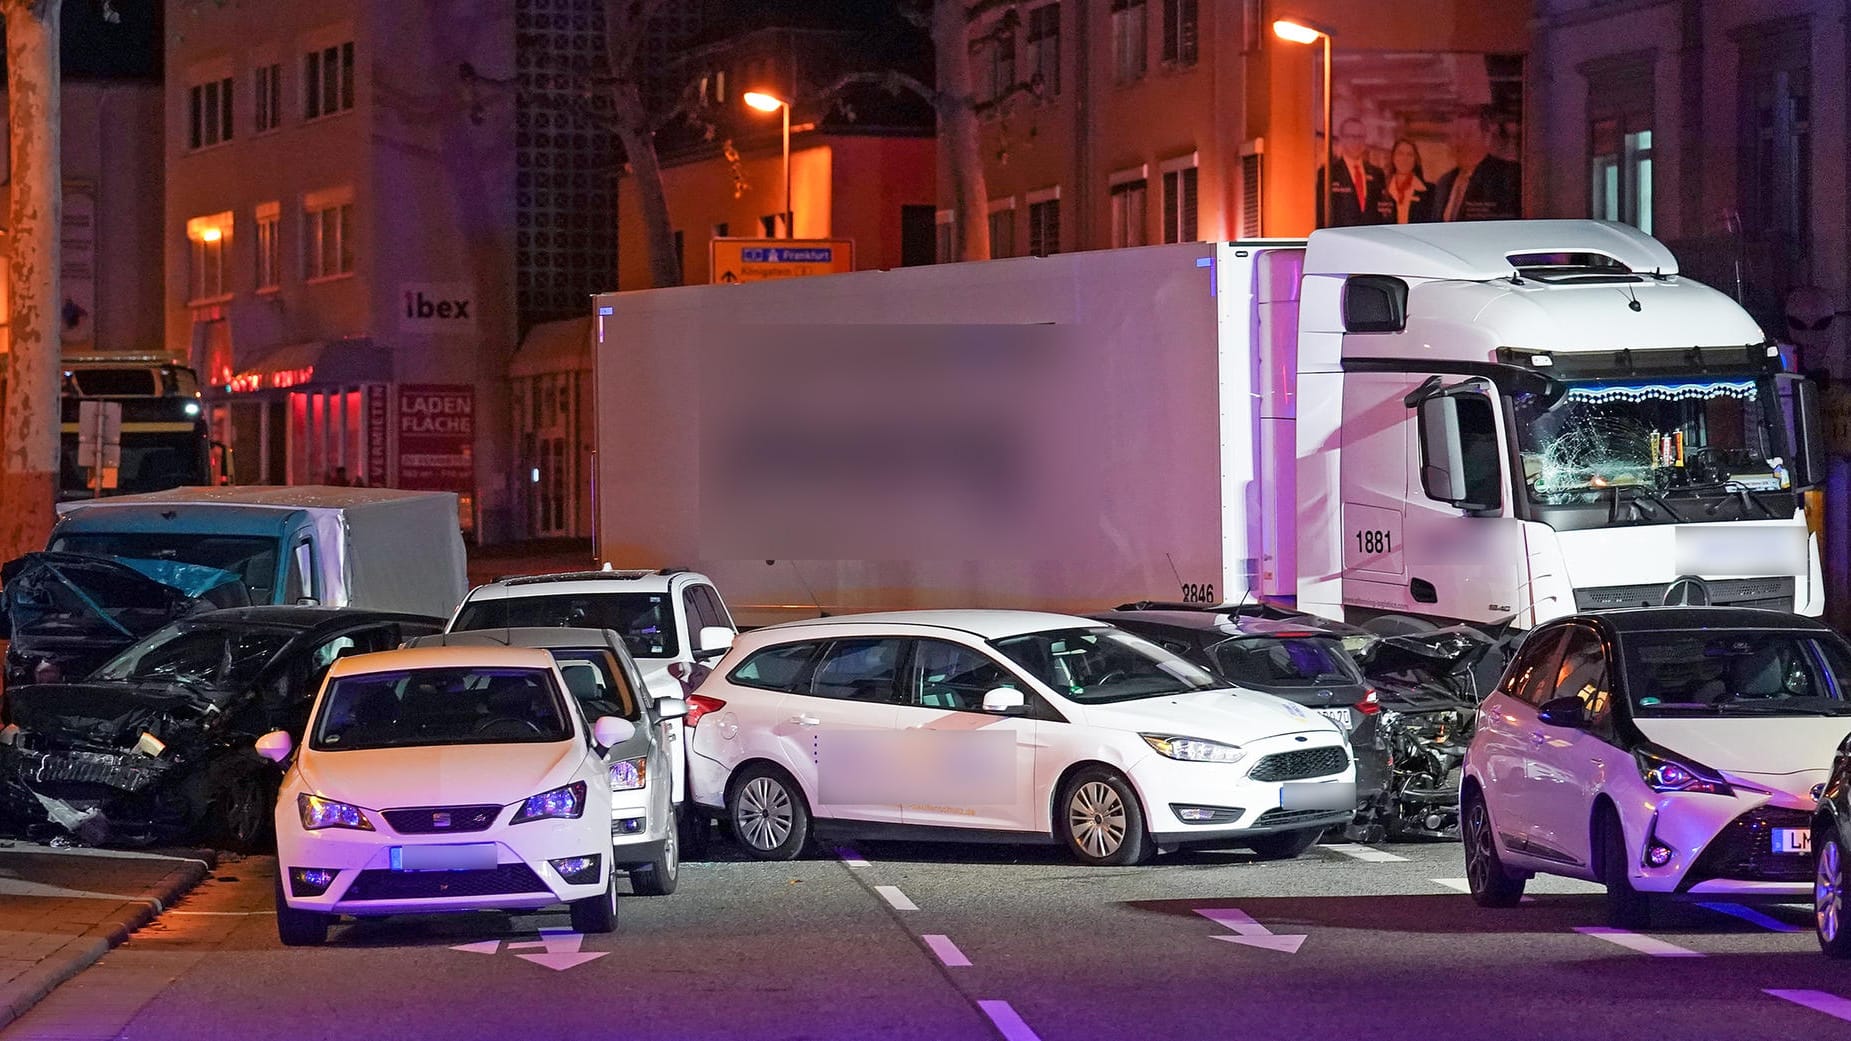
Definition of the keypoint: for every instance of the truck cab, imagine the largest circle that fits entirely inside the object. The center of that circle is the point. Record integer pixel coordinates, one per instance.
(165, 442)
(1535, 418)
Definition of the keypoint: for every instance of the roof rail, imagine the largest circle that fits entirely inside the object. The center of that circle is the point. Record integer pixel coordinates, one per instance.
(576, 576)
(673, 571)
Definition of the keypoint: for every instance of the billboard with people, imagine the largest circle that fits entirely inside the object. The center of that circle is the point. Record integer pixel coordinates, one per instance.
(1423, 137)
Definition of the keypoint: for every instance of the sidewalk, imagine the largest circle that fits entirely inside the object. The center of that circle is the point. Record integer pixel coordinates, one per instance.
(61, 909)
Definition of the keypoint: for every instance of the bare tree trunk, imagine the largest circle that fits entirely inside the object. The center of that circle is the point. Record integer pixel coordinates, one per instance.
(639, 147)
(30, 424)
(958, 130)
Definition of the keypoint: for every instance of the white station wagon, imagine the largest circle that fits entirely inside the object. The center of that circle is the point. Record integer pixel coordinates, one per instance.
(1004, 725)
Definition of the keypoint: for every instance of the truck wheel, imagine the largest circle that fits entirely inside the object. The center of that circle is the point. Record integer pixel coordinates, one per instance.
(1284, 845)
(1100, 821)
(658, 877)
(1627, 908)
(298, 928)
(1491, 884)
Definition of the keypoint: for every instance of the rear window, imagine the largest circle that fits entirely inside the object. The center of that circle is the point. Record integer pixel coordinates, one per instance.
(1289, 661)
(646, 621)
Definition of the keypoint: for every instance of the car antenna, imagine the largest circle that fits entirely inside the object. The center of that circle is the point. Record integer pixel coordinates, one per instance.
(814, 602)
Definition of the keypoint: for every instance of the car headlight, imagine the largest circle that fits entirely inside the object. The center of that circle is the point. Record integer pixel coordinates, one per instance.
(559, 804)
(1194, 749)
(629, 774)
(1665, 772)
(318, 813)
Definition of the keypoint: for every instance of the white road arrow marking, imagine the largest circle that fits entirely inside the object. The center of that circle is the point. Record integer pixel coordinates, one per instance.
(1248, 932)
(482, 947)
(1360, 852)
(562, 950)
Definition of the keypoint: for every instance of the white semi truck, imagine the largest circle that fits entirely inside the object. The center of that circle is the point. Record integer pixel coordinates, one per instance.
(1392, 426)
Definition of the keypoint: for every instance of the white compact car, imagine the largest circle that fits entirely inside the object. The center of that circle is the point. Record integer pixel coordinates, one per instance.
(1004, 725)
(445, 779)
(1658, 751)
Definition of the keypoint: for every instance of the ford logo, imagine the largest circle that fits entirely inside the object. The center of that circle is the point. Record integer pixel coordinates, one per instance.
(1325, 695)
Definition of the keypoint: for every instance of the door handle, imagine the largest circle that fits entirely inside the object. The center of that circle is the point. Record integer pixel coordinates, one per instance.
(806, 721)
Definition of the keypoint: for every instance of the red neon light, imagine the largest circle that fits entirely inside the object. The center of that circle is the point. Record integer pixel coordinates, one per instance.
(245, 382)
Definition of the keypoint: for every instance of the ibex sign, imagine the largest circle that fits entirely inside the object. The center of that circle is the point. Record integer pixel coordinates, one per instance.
(436, 307)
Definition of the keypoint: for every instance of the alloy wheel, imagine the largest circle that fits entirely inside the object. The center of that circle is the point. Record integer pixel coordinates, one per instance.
(1096, 817)
(1477, 846)
(1828, 898)
(764, 813)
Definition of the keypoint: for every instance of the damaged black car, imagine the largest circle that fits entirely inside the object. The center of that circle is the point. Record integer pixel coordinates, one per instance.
(156, 744)
(66, 613)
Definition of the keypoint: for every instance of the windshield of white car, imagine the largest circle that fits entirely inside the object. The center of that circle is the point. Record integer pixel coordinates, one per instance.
(1737, 673)
(646, 621)
(1097, 666)
(441, 706)
(198, 654)
(1667, 437)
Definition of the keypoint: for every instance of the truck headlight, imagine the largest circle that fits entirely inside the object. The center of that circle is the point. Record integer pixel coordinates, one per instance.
(1194, 749)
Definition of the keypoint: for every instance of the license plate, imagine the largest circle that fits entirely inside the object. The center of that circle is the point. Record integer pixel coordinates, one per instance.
(473, 856)
(1313, 795)
(1339, 716)
(1792, 840)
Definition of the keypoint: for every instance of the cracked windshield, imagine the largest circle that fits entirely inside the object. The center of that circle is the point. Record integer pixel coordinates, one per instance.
(1662, 438)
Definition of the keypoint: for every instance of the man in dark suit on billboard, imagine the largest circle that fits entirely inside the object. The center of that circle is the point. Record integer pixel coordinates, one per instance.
(1356, 186)
(1490, 187)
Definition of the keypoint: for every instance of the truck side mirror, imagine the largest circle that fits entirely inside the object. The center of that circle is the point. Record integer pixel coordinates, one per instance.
(1805, 420)
(1459, 451)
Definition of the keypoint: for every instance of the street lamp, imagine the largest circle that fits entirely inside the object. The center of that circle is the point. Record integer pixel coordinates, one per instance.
(1294, 31)
(764, 102)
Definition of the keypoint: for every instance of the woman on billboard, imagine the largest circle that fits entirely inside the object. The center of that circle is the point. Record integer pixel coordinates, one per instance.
(1407, 197)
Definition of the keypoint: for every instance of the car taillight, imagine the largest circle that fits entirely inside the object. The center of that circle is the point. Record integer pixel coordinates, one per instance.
(1369, 705)
(699, 705)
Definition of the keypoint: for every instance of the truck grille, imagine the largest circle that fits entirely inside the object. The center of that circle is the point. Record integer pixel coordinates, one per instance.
(1774, 593)
(1294, 766)
(505, 879)
(1744, 850)
(441, 820)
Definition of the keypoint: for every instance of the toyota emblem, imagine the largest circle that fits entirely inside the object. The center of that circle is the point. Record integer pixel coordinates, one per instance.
(1687, 592)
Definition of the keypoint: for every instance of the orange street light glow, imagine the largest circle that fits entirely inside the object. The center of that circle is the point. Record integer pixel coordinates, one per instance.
(210, 235)
(1284, 28)
(762, 101)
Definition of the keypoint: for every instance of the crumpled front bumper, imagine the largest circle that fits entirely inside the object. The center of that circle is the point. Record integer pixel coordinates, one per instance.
(92, 796)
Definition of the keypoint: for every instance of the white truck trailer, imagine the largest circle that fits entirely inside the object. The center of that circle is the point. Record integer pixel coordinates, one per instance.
(1391, 426)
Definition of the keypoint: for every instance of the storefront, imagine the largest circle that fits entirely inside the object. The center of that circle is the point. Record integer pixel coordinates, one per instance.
(308, 413)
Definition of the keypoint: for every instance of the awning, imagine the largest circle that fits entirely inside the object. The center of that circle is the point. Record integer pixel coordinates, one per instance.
(321, 363)
(550, 347)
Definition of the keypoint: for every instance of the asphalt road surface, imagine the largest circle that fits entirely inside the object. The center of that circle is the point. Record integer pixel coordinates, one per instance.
(942, 942)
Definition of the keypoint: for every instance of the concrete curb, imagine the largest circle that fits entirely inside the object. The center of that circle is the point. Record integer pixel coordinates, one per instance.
(86, 948)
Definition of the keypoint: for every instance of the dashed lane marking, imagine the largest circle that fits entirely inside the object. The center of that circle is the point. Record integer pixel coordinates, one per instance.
(1008, 1021)
(850, 857)
(1750, 915)
(1817, 1000)
(946, 950)
(1465, 886)
(893, 896)
(1634, 942)
(1356, 851)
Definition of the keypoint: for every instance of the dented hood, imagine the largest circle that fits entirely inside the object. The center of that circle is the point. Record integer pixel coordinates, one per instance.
(112, 715)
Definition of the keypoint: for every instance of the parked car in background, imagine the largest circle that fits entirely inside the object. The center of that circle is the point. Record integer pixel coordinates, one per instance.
(66, 613)
(1005, 725)
(601, 675)
(445, 779)
(155, 745)
(1831, 846)
(1657, 750)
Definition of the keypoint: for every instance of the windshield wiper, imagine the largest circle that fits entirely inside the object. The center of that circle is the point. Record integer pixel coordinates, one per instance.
(1639, 492)
(1778, 708)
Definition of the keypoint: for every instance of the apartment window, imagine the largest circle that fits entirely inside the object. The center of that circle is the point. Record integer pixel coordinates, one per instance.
(1002, 61)
(1179, 32)
(1130, 213)
(1179, 204)
(209, 106)
(327, 240)
(1620, 139)
(720, 230)
(1044, 227)
(327, 81)
(269, 252)
(1002, 229)
(1250, 197)
(1130, 39)
(207, 241)
(1774, 171)
(269, 90)
(1044, 48)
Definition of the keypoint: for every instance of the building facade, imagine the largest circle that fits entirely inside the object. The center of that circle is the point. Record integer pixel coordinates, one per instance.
(366, 206)
(1128, 122)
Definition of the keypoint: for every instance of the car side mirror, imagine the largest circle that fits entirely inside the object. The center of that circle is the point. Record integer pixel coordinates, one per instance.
(671, 708)
(612, 730)
(1006, 701)
(713, 641)
(275, 746)
(1569, 712)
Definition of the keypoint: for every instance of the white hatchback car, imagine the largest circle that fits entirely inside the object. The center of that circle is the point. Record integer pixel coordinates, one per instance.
(1004, 725)
(1659, 751)
(446, 779)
